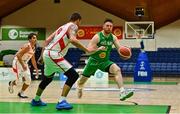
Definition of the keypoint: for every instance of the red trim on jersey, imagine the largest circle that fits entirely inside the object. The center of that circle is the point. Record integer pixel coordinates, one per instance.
(58, 60)
(55, 61)
(59, 40)
(16, 70)
(61, 43)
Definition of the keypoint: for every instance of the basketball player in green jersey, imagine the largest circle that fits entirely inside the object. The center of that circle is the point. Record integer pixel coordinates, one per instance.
(100, 60)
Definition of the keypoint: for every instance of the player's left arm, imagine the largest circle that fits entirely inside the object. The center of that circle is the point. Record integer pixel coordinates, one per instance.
(116, 42)
(72, 33)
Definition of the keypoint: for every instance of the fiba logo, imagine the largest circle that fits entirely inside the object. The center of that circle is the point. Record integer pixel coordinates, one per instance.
(13, 34)
(142, 65)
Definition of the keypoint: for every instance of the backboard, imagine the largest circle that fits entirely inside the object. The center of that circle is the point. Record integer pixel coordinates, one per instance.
(143, 29)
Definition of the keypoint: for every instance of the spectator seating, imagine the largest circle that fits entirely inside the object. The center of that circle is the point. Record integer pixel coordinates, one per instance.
(73, 56)
(164, 61)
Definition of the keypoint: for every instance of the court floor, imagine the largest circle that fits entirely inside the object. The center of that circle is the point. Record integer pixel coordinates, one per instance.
(160, 97)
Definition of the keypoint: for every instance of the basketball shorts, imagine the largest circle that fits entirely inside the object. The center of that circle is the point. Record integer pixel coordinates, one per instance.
(54, 62)
(19, 72)
(92, 65)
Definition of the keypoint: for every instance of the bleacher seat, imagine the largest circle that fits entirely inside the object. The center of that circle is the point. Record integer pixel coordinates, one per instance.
(165, 61)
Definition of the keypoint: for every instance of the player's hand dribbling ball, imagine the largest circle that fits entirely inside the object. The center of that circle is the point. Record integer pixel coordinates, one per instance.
(125, 52)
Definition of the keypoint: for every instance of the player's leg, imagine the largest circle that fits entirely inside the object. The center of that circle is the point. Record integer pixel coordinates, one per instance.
(89, 70)
(72, 77)
(80, 85)
(115, 71)
(49, 71)
(11, 85)
(13, 82)
(26, 78)
(43, 84)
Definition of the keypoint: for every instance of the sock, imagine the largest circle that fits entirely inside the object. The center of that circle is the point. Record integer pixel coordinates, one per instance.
(38, 94)
(37, 98)
(62, 98)
(21, 92)
(122, 89)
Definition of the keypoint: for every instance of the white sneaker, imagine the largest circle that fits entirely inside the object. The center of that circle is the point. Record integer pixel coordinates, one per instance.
(10, 88)
(126, 94)
(21, 95)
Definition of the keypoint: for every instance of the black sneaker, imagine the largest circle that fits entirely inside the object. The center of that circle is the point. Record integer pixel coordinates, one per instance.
(22, 96)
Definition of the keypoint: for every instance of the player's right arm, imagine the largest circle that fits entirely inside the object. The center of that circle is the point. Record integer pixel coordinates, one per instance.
(47, 41)
(93, 44)
(72, 32)
(19, 55)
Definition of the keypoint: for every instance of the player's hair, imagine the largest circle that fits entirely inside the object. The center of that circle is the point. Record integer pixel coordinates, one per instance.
(75, 16)
(31, 35)
(108, 20)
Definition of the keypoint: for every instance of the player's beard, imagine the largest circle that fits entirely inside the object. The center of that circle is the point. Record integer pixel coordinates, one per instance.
(107, 31)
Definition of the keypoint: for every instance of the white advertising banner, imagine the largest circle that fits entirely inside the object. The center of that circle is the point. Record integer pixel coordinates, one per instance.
(6, 74)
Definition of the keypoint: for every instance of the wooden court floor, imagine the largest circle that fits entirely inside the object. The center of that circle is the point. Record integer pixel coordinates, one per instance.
(158, 94)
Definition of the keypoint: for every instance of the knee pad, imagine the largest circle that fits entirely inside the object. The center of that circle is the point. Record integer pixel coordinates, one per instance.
(72, 77)
(46, 81)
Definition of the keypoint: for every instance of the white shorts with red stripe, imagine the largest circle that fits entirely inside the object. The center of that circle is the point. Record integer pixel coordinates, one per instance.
(19, 72)
(54, 62)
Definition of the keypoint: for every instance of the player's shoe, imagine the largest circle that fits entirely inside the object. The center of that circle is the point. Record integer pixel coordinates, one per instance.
(38, 103)
(63, 105)
(79, 92)
(126, 94)
(22, 95)
(10, 88)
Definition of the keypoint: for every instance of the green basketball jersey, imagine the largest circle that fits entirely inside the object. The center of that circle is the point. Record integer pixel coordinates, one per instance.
(106, 41)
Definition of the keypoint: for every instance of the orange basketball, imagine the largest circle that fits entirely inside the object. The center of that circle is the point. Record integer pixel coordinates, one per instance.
(125, 52)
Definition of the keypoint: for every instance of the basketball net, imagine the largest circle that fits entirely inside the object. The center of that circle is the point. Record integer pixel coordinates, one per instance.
(138, 37)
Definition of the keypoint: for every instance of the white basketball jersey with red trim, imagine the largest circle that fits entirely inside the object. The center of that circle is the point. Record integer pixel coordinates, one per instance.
(60, 42)
(27, 56)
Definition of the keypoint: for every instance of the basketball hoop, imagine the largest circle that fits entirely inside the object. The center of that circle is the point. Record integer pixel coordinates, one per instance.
(139, 37)
(141, 31)
(145, 29)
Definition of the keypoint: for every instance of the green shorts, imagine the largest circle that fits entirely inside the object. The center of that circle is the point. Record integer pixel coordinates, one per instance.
(93, 65)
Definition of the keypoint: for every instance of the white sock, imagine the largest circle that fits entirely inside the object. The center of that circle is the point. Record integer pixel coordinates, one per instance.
(21, 92)
(122, 89)
(62, 98)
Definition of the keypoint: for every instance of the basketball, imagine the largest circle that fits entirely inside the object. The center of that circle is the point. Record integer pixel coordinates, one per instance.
(125, 52)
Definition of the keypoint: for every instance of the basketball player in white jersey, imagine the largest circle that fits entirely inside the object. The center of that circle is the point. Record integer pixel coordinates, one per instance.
(56, 46)
(20, 65)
